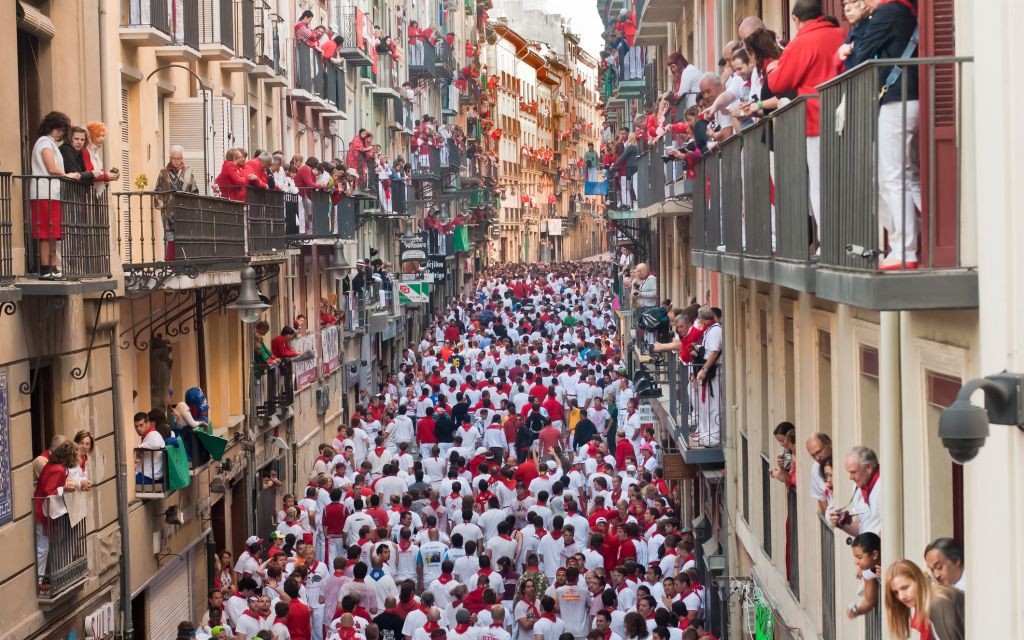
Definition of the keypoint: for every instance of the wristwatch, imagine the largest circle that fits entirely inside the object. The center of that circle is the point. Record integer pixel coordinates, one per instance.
(855, 609)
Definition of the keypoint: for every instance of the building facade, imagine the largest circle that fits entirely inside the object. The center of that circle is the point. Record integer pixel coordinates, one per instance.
(827, 342)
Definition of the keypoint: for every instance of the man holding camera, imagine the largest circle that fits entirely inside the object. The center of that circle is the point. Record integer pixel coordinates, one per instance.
(864, 514)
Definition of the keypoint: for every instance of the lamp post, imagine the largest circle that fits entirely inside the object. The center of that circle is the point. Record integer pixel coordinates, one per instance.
(250, 307)
(340, 268)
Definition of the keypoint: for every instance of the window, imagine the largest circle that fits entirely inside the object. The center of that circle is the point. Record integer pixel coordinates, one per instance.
(941, 392)
(868, 397)
(789, 378)
(824, 378)
(43, 409)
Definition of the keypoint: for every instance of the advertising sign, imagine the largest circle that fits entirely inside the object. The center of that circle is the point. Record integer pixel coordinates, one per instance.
(332, 349)
(434, 269)
(413, 292)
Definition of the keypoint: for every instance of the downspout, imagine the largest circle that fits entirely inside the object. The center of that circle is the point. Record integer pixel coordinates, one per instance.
(890, 440)
(121, 485)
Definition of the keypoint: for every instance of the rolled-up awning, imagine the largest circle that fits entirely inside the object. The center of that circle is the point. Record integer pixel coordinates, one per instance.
(34, 21)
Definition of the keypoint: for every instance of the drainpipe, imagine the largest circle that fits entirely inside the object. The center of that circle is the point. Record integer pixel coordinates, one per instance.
(121, 485)
(890, 439)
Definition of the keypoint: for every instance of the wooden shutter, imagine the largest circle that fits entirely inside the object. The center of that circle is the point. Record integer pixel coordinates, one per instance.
(220, 125)
(940, 189)
(184, 124)
(168, 598)
(240, 127)
(126, 170)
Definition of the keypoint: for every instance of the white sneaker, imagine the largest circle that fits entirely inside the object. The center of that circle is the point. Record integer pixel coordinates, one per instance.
(56, 273)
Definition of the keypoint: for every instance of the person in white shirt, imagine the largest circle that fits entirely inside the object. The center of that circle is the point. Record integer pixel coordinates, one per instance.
(356, 521)
(945, 560)
(865, 512)
(550, 548)
(502, 545)
(573, 604)
(432, 553)
(548, 626)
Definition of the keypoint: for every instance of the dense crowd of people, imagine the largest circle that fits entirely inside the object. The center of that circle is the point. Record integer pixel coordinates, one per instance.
(500, 485)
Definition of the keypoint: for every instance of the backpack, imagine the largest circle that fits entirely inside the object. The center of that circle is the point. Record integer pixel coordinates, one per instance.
(653, 318)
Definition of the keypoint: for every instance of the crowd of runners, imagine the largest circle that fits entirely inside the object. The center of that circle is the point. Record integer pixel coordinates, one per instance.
(501, 485)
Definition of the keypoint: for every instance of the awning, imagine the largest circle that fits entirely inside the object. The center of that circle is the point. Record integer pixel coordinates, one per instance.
(34, 21)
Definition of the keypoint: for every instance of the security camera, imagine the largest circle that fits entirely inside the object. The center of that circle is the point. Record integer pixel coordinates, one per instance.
(963, 428)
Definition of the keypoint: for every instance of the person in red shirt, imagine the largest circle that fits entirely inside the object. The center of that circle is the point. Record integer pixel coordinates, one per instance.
(425, 435)
(299, 621)
(550, 437)
(231, 180)
(333, 521)
(281, 346)
(806, 62)
(452, 332)
(255, 170)
(623, 450)
(526, 471)
(53, 480)
(554, 408)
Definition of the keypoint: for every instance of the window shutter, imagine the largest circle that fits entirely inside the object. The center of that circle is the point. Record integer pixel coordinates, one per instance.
(240, 126)
(126, 156)
(184, 118)
(207, 18)
(168, 599)
(221, 126)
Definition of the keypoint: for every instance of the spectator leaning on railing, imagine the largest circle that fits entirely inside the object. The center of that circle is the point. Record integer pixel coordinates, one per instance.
(945, 560)
(892, 33)
(915, 603)
(48, 503)
(819, 447)
(864, 511)
(806, 62)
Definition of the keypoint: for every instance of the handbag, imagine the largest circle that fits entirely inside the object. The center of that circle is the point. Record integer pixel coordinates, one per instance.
(653, 318)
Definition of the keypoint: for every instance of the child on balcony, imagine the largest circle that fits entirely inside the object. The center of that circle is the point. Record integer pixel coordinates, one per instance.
(867, 557)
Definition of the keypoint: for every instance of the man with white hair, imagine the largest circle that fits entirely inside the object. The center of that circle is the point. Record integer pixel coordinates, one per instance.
(711, 88)
(864, 515)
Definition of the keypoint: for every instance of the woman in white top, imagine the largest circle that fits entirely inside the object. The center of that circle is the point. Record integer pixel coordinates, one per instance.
(44, 191)
(687, 79)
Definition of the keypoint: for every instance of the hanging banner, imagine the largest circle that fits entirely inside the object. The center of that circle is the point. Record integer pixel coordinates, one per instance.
(412, 251)
(305, 370)
(413, 292)
(332, 349)
(434, 269)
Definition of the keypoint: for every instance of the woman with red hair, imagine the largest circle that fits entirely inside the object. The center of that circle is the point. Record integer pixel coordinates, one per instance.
(93, 157)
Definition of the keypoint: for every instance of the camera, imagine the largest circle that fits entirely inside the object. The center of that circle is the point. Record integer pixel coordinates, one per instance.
(843, 518)
(786, 460)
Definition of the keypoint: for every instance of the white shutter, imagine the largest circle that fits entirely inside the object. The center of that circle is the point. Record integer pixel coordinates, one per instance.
(126, 156)
(184, 124)
(168, 599)
(240, 127)
(221, 132)
(209, 17)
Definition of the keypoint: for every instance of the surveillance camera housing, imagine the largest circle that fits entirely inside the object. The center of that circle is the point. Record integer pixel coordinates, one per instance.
(963, 428)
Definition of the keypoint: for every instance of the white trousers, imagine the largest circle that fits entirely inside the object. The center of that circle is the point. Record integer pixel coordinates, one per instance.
(899, 179)
(709, 414)
(317, 623)
(335, 548)
(633, 64)
(42, 549)
(625, 197)
(814, 182)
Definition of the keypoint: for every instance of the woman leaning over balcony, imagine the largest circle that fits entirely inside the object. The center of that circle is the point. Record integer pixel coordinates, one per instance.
(232, 180)
(44, 191)
(48, 501)
(913, 602)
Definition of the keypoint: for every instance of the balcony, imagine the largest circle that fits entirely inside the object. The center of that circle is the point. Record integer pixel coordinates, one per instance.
(78, 215)
(66, 564)
(305, 371)
(350, 20)
(265, 222)
(151, 481)
(426, 166)
(662, 183)
(183, 21)
(384, 76)
(319, 84)
(272, 392)
(450, 99)
(313, 215)
(269, 65)
(739, 230)
(145, 22)
(8, 293)
(445, 61)
(180, 233)
(422, 61)
(216, 29)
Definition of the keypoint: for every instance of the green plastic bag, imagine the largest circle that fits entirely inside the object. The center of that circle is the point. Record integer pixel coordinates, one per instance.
(214, 444)
(177, 467)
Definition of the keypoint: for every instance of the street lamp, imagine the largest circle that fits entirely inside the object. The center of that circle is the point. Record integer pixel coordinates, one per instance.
(250, 307)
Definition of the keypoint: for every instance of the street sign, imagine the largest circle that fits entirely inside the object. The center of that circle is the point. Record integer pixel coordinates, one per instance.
(413, 292)
(434, 269)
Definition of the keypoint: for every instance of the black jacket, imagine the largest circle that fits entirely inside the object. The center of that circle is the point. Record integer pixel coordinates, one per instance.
(75, 163)
(886, 36)
(444, 428)
(585, 430)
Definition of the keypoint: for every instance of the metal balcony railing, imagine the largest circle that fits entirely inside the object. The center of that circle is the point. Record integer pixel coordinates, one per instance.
(183, 18)
(425, 166)
(385, 73)
(323, 79)
(173, 226)
(399, 197)
(6, 231)
(268, 37)
(851, 111)
(147, 13)
(445, 60)
(64, 563)
(873, 623)
(198, 456)
(71, 215)
(272, 389)
(151, 474)
(734, 211)
(422, 61)
(792, 541)
(350, 21)
(828, 579)
(217, 22)
(265, 220)
(451, 157)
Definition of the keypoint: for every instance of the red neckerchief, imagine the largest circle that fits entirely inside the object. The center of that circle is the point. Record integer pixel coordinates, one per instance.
(923, 627)
(346, 633)
(235, 594)
(608, 633)
(338, 574)
(540, 534)
(548, 616)
(461, 628)
(485, 572)
(252, 615)
(504, 536)
(445, 578)
(689, 558)
(865, 492)
(379, 451)
(430, 626)
(403, 545)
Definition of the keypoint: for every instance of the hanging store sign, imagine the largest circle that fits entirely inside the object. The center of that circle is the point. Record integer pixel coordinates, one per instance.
(329, 337)
(413, 292)
(6, 500)
(434, 269)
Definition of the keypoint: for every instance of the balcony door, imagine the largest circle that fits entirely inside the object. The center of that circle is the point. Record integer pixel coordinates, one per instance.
(939, 160)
